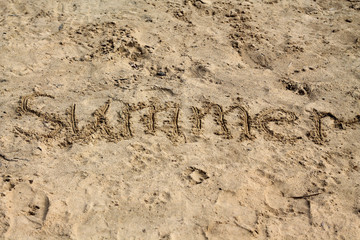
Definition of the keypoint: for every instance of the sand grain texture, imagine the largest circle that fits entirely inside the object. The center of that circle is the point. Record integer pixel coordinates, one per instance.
(192, 119)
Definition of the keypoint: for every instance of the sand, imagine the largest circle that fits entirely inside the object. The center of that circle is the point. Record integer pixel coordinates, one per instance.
(193, 119)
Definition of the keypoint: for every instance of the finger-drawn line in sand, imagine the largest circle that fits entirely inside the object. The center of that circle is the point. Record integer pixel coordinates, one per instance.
(220, 120)
(56, 121)
(219, 114)
(244, 115)
(66, 130)
(197, 117)
(151, 119)
(317, 134)
(278, 116)
(126, 116)
(175, 120)
(102, 122)
(175, 133)
(73, 120)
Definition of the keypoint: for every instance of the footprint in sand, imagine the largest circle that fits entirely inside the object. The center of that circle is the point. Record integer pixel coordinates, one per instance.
(27, 208)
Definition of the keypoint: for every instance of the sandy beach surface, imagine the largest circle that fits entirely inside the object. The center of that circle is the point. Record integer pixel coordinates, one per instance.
(183, 119)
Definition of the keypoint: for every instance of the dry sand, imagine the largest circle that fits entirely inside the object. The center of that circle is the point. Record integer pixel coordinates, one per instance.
(178, 119)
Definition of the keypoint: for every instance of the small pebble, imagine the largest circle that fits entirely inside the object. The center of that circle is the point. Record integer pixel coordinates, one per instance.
(161, 74)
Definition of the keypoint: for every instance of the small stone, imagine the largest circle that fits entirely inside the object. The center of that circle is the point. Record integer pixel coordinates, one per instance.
(161, 74)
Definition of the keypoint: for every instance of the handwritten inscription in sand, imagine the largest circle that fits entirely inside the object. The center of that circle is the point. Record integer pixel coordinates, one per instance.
(66, 130)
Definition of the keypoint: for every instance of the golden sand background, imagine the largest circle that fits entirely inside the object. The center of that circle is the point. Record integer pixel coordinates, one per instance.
(100, 107)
